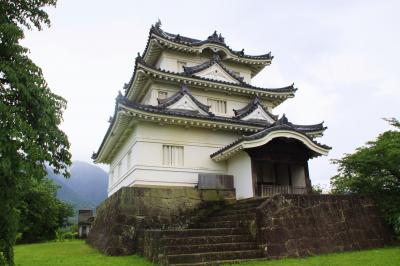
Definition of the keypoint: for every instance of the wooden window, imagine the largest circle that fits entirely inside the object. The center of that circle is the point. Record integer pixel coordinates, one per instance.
(217, 106)
(172, 155)
(162, 95)
(181, 64)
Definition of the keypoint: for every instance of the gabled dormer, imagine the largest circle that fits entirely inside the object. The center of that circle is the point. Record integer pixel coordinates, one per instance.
(214, 70)
(255, 111)
(183, 100)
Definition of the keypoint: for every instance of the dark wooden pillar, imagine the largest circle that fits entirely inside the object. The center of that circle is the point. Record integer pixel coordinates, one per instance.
(307, 176)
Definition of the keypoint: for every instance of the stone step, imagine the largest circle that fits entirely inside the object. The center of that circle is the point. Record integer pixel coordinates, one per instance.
(232, 217)
(214, 256)
(242, 206)
(219, 224)
(201, 240)
(252, 200)
(203, 232)
(227, 212)
(218, 262)
(188, 249)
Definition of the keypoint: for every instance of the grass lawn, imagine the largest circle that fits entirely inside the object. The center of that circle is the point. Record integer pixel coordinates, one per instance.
(77, 253)
(376, 257)
(71, 253)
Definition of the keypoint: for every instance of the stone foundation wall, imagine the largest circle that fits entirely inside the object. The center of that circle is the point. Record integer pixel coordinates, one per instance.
(122, 218)
(302, 225)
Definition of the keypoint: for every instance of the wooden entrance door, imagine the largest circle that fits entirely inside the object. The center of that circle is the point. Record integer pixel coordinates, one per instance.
(271, 174)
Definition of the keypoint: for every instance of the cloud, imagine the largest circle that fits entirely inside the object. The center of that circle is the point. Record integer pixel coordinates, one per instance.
(343, 56)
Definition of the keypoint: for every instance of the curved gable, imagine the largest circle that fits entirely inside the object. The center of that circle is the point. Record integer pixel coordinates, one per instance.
(186, 103)
(310, 144)
(259, 114)
(264, 137)
(216, 72)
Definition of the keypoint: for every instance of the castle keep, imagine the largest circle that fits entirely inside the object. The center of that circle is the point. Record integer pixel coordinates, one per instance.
(190, 111)
(202, 172)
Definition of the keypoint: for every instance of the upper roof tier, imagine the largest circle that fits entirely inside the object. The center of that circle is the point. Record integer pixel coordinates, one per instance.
(159, 40)
(138, 84)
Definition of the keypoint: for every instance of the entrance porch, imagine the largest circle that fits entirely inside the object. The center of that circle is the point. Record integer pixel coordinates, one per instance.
(273, 161)
(280, 167)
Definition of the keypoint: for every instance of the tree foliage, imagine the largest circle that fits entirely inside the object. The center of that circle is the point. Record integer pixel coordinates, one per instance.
(317, 189)
(41, 213)
(374, 171)
(29, 117)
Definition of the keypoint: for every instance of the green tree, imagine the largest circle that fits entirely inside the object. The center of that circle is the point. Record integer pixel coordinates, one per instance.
(317, 189)
(374, 171)
(41, 213)
(29, 117)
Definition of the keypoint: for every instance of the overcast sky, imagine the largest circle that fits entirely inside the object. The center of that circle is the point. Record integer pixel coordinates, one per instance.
(343, 57)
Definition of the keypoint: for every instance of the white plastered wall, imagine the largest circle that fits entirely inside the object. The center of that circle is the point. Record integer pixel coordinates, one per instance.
(169, 61)
(240, 167)
(146, 165)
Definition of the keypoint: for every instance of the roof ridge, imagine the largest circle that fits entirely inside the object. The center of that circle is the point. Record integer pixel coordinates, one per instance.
(284, 120)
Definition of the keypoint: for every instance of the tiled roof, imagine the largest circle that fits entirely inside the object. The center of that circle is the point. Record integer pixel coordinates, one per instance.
(185, 113)
(253, 105)
(139, 60)
(164, 103)
(281, 124)
(162, 109)
(213, 38)
(215, 60)
(305, 128)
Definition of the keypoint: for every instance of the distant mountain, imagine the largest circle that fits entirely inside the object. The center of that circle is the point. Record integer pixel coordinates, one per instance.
(85, 189)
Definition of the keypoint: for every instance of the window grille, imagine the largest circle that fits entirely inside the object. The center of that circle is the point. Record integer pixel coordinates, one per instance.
(217, 106)
(172, 155)
(162, 95)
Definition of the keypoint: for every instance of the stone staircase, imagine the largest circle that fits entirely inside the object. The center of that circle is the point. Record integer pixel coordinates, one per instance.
(221, 237)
